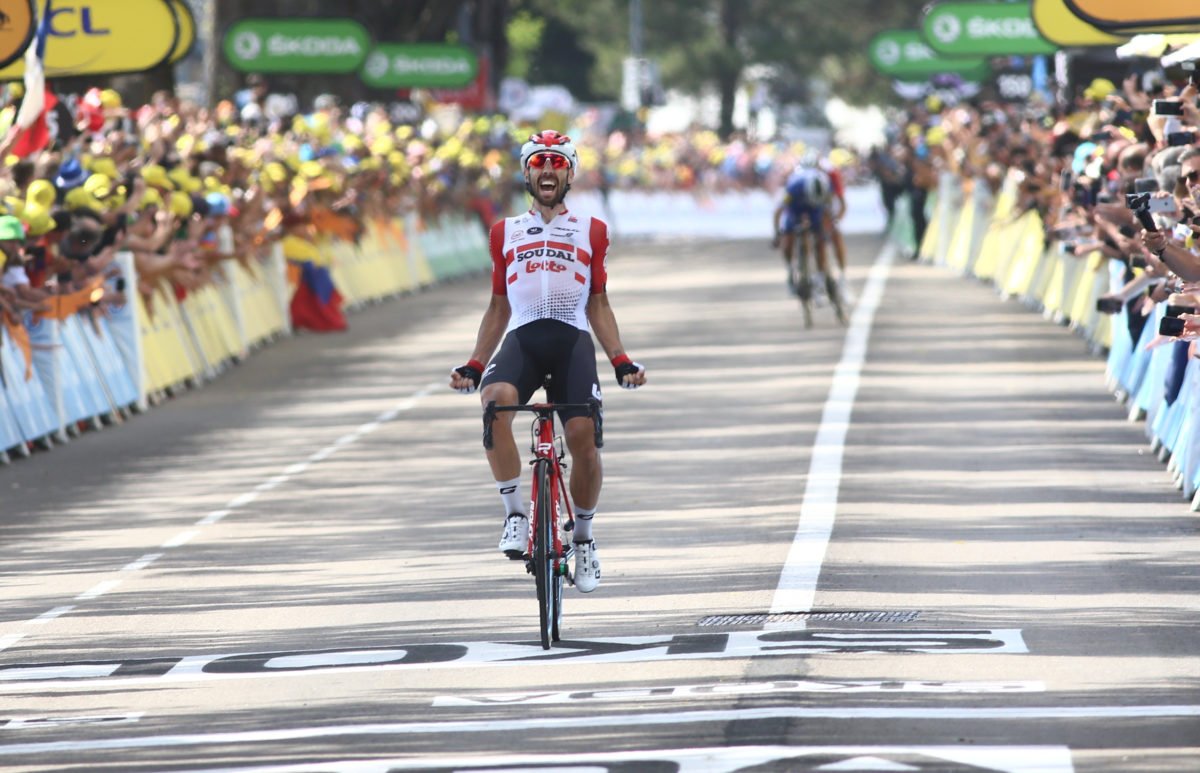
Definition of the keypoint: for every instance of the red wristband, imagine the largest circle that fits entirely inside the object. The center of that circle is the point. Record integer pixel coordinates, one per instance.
(621, 359)
(476, 364)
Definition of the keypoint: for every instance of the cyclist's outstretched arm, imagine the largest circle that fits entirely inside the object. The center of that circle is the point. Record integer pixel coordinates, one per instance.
(604, 325)
(491, 330)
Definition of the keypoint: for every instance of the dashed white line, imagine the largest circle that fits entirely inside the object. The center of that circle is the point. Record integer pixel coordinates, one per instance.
(52, 614)
(180, 539)
(213, 517)
(241, 500)
(323, 454)
(10, 639)
(97, 590)
(142, 563)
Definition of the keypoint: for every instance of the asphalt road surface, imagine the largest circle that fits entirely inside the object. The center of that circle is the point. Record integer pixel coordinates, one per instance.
(928, 541)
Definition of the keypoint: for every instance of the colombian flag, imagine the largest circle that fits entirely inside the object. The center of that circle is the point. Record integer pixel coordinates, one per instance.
(316, 303)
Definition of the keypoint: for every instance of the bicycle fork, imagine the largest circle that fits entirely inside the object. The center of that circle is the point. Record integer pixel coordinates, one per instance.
(549, 451)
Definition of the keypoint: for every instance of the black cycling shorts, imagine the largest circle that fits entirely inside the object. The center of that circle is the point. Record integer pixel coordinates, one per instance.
(547, 347)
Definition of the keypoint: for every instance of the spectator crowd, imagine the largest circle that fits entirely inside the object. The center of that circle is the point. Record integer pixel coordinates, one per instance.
(184, 187)
(1113, 172)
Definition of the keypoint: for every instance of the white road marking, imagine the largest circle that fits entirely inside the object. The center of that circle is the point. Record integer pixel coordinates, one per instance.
(25, 723)
(142, 563)
(572, 723)
(180, 539)
(802, 569)
(214, 517)
(723, 689)
(241, 500)
(631, 649)
(10, 639)
(52, 614)
(1002, 759)
(97, 590)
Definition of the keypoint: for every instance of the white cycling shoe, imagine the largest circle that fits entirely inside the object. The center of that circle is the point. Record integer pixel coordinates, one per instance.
(515, 538)
(587, 566)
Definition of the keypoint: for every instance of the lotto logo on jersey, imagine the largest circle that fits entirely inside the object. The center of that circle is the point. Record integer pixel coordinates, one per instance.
(546, 265)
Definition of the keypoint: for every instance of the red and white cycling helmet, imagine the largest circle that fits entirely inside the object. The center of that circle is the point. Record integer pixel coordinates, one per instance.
(549, 141)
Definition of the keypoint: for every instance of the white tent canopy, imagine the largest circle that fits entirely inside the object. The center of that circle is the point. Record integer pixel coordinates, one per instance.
(1188, 53)
(1143, 45)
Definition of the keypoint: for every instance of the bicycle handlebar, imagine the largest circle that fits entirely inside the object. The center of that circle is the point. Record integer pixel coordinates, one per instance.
(544, 410)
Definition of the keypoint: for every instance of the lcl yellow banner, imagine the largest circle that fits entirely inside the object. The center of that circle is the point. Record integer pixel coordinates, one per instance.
(1142, 15)
(1063, 28)
(16, 29)
(95, 37)
(187, 30)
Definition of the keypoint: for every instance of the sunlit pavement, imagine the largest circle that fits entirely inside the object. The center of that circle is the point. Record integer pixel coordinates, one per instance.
(295, 566)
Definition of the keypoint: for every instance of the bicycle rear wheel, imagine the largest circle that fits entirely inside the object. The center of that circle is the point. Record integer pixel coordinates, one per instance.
(543, 555)
(804, 283)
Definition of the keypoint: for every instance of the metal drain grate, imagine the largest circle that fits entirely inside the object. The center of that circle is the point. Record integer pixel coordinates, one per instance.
(833, 616)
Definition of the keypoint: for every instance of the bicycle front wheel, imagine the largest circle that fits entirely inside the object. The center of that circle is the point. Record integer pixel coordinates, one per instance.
(543, 555)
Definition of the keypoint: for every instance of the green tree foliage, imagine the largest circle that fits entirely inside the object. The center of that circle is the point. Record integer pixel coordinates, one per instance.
(703, 44)
(524, 37)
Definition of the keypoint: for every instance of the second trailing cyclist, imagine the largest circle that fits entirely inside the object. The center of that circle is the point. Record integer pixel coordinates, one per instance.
(806, 200)
(548, 296)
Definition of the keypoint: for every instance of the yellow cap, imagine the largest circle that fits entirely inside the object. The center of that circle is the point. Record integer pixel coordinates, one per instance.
(311, 169)
(110, 98)
(181, 204)
(105, 166)
(184, 181)
(1099, 88)
(276, 172)
(151, 198)
(79, 198)
(41, 193)
(98, 185)
(155, 176)
(37, 220)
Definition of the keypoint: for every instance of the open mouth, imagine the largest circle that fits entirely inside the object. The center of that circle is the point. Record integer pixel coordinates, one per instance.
(548, 185)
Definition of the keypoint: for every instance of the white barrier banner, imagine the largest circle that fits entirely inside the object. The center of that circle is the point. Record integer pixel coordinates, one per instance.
(123, 324)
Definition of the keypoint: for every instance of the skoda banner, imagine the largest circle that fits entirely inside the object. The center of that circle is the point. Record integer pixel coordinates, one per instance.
(16, 29)
(1063, 28)
(104, 36)
(419, 66)
(325, 46)
(905, 56)
(1139, 15)
(984, 29)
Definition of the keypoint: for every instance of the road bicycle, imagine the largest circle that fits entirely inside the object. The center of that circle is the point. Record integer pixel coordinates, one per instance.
(802, 284)
(548, 557)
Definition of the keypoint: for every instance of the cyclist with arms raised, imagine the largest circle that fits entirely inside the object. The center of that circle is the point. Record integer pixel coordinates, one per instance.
(806, 197)
(548, 296)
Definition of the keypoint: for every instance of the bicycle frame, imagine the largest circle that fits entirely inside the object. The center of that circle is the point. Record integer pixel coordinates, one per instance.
(545, 559)
(547, 449)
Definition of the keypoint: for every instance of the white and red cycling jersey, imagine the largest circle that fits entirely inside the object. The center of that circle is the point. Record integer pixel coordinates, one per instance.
(549, 270)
